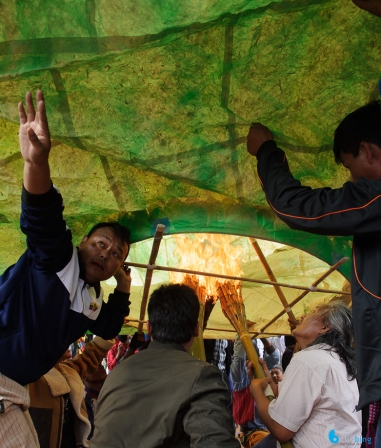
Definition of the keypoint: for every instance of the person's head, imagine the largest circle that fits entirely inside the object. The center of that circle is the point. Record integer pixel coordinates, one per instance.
(329, 324)
(173, 314)
(103, 250)
(357, 142)
(277, 373)
(122, 338)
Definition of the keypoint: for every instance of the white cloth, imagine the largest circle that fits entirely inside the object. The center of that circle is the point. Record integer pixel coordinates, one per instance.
(317, 401)
(16, 426)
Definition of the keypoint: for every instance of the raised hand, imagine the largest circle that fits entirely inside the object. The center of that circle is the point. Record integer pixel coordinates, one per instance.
(123, 278)
(34, 130)
(35, 144)
(257, 135)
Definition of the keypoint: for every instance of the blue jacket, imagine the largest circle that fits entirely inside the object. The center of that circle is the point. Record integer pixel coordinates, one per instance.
(44, 302)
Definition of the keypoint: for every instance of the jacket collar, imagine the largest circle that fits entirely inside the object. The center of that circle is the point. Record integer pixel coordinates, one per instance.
(96, 286)
(156, 345)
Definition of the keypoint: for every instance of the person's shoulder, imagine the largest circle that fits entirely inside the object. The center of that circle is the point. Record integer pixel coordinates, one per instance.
(209, 378)
(315, 358)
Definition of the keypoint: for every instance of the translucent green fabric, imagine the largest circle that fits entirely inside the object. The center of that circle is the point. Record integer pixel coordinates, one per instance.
(149, 104)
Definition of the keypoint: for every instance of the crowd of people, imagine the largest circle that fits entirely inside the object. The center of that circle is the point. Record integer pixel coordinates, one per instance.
(162, 396)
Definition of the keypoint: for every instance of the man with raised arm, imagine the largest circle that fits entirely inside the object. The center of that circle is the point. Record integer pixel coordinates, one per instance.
(52, 295)
(354, 209)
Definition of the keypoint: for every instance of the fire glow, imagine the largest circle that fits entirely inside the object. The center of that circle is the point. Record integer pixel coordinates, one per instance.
(207, 253)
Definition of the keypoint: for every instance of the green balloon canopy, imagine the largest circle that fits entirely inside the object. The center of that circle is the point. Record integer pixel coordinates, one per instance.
(149, 104)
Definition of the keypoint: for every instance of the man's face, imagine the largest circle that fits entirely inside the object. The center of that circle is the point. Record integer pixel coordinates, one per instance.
(367, 164)
(357, 166)
(309, 328)
(102, 254)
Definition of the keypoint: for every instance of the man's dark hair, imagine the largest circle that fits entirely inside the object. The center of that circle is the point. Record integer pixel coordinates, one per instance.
(120, 231)
(362, 125)
(173, 313)
(122, 338)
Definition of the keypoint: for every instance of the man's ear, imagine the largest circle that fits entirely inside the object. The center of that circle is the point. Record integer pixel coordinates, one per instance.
(325, 329)
(149, 328)
(368, 151)
(196, 330)
(84, 239)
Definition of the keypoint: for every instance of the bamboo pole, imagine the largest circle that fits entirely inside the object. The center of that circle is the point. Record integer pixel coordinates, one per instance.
(304, 293)
(271, 276)
(197, 349)
(127, 319)
(253, 333)
(150, 267)
(234, 310)
(227, 330)
(311, 288)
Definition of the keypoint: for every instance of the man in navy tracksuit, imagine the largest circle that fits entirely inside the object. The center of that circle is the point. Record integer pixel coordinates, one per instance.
(52, 295)
(354, 209)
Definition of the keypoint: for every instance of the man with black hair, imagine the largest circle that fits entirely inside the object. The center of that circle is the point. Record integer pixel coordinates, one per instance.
(354, 209)
(163, 396)
(52, 295)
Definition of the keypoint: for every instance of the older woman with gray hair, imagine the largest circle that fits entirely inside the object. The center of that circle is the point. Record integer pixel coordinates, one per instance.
(316, 403)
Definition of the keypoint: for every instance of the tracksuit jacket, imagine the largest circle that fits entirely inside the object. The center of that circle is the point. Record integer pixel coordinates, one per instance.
(354, 209)
(44, 302)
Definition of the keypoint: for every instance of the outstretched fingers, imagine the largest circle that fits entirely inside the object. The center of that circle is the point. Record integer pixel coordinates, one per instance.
(30, 112)
(22, 114)
(41, 113)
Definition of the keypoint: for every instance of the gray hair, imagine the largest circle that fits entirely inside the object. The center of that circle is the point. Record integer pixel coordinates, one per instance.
(338, 317)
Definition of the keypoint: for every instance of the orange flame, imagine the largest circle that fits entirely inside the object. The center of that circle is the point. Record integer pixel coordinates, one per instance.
(212, 253)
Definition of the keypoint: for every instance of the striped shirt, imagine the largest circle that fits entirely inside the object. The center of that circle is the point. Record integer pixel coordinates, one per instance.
(16, 427)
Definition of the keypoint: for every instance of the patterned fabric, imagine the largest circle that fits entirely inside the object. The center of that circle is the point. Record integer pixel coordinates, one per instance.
(373, 425)
(220, 354)
(16, 427)
(243, 406)
(254, 437)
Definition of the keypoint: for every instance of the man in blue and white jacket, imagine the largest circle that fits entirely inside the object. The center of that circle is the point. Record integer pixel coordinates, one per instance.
(52, 295)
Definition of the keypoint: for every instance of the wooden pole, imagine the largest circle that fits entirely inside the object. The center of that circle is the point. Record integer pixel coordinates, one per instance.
(304, 293)
(271, 276)
(311, 288)
(150, 267)
(234, 310)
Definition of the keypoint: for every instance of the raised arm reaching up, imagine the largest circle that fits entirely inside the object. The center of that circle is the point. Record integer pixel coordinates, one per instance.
(35, 144)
